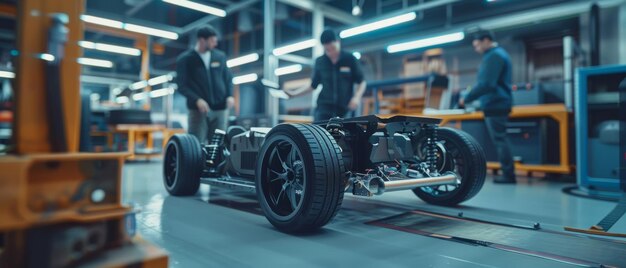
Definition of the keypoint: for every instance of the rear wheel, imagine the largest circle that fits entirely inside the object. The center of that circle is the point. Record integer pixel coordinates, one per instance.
(460, 153)
(182, 165)
(299, 177)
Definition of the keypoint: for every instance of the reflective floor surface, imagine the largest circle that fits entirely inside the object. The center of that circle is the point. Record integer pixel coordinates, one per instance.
(222, 228)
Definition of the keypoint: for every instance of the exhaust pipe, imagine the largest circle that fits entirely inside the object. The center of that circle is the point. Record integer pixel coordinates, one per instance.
(379, 186)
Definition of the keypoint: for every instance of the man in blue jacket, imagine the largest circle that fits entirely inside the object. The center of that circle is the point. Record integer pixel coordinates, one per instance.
(494, 92)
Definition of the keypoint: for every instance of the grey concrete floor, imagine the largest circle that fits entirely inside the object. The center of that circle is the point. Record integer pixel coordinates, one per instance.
(220, 228)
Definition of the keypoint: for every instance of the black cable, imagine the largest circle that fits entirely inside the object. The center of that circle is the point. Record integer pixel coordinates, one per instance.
(571, 190)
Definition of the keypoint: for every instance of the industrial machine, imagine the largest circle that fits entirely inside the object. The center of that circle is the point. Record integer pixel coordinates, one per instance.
(600, 140)
(597, 132)
(301, 171)
(60, 207)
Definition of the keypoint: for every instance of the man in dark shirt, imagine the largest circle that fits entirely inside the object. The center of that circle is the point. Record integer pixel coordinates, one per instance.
(204, 79)
(494, 92)
(337, 71)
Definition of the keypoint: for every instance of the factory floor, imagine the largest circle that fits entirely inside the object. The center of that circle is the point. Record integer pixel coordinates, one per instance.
(221, 228)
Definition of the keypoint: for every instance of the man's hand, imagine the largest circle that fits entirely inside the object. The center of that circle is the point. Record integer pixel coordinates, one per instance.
(461, 103)
(354, 103)
(202, 106)
(230, 102)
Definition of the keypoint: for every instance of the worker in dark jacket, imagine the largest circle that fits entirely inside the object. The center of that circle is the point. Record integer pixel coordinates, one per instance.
(494, 92)
(337, 71)
(204, 79)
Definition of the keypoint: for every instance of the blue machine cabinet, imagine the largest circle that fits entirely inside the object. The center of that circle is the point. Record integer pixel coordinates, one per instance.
(597, 98)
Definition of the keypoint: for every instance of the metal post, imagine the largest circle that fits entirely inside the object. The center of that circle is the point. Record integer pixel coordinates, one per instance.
(145, 74)
(270, 62)
(168, 105)
(376, 101)
(318, 28)
(568, 53)
(621, 27)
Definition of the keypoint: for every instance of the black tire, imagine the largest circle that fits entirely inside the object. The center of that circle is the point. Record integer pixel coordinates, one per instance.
(182, 165)
(465, 157)
(312, 165)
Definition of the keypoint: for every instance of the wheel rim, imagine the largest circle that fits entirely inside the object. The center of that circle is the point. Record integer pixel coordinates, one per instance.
(449, 158)
(283, 179)
(170, 165)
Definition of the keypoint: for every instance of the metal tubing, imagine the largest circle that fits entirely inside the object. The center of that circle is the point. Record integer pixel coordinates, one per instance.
(568, 70)
(398, 185)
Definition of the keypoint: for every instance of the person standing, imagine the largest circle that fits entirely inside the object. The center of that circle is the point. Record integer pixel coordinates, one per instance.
(205, 80)
(338, 71)
(494, 92)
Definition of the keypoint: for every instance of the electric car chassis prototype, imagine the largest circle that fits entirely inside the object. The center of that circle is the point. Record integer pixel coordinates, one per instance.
(300, 172)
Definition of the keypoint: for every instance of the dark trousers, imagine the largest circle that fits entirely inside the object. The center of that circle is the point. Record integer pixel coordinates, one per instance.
(203, 125)
(496, 125)
(328, 112)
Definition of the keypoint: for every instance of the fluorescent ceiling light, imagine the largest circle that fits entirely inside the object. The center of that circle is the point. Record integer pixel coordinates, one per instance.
(139, 85)
(95, 62)
(373, 26)
(150, 31)
(161, 92)
(94, 96)
(46, 56)
(270, 84)
(122, 99)
(247, 78)
(199, 7)
(102, 21)
(139, 96)
(7, 74)
(295, 47)
(357, 55)
(160, 79)
(129, 27)
(242, 60)
(288, 69)
(427, 42)
(110, 48)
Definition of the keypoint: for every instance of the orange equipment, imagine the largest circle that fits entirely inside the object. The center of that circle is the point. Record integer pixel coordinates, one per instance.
(63, 208)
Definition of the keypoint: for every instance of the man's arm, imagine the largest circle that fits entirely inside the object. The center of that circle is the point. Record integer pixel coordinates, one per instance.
(358, 77)
(228, 81)
(182, 74)
(487, 78)
(315, 81)
(182, 80)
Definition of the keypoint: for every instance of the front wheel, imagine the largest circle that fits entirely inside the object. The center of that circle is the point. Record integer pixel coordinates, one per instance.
(182, 165)
(299, 177)
(460, 153)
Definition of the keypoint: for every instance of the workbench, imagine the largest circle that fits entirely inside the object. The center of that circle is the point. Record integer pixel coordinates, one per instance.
(557, 112)
(138, 134)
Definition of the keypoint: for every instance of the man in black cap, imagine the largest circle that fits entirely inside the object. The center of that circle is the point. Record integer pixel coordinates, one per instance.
(338, 71)
(493, 89)
(204, 79)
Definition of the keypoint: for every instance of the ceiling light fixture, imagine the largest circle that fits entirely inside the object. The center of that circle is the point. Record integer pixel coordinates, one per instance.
(288, 69)
(427, 42)
(199, 7)
(95, 62)
(295, 47)
(247, 78)
(7, 74)
(129, 27)
(377, 25)
(110, 48)
(242, 60)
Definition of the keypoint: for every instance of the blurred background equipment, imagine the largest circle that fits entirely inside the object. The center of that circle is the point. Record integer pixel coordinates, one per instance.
(60, 208)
